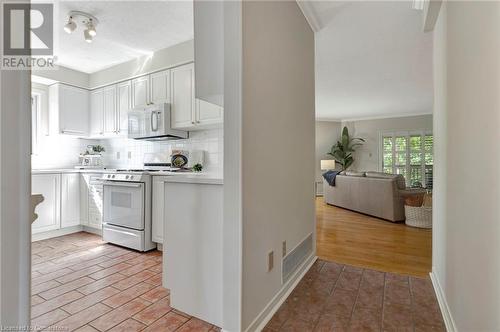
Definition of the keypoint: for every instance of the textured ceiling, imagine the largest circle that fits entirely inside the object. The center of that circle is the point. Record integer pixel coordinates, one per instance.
(372, 60)
(126, 30)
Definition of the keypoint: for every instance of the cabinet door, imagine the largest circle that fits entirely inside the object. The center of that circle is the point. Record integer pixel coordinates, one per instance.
(208, 114)
(158, 214)
(96, 112)
(160, 87)
(70, 200)
(124, 103)
(84, 199)
(95, 201)
(49, 210)
(109, 110)
(183, 108)
(140, 92)
(73, 110)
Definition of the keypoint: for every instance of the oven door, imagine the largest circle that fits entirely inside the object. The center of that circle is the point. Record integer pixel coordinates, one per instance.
(123, 204)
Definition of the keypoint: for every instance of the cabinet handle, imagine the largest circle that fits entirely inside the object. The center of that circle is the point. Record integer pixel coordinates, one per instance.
(197, 121)
(192, 122)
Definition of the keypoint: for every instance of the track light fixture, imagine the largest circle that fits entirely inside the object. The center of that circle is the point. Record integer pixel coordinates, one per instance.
(89, 21)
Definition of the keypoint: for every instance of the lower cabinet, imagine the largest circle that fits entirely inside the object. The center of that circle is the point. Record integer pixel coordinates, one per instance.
(49, 216)
(158, 213)
(70, 199)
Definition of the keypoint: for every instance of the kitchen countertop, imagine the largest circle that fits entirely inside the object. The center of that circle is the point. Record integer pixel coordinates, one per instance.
(201, 178)
(178, 177)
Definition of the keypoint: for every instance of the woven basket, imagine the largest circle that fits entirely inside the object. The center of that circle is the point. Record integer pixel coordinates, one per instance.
(418, 216)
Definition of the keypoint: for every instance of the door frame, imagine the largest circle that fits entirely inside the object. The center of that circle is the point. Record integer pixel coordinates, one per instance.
(15, 195)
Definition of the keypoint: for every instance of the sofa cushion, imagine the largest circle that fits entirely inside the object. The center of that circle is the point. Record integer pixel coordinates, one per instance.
(400, 179)
(354, 173)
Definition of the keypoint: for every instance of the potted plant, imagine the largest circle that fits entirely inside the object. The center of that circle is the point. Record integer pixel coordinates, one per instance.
(342, 151)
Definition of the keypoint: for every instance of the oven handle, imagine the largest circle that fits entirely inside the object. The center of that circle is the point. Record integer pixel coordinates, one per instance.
(121, 184)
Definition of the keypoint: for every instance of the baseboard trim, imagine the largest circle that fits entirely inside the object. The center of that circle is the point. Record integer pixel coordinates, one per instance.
(92, 230)
(56, 233)
(443, 305)
(265, 315)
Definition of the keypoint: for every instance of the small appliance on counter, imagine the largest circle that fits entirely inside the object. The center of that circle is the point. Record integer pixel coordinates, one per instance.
(92, 158)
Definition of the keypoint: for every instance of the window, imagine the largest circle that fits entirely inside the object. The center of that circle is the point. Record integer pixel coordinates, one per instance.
(408, 153)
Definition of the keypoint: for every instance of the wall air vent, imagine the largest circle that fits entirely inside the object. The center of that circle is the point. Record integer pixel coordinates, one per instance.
(295, 257)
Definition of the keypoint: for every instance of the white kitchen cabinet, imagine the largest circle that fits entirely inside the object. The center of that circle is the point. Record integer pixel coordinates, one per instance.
(188, 112)
(70, 199)
(208, 114)
(96, 113)
(84, 199)
(209, 51)
(95, 191)
(192, 255)
(158, 206)
(124, 104)
(160, 87)
(49, 217)
(183, 101)
(68, 110)
(140, 91)
(109, 110)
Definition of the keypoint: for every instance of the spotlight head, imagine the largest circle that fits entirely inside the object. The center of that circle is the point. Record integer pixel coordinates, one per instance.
(70, 26)
(91, 28)
(87, 36)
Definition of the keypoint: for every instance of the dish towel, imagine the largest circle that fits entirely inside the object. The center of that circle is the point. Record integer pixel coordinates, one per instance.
(330, 177)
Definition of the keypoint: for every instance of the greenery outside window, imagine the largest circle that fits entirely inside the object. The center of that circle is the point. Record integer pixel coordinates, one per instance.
(409, 153)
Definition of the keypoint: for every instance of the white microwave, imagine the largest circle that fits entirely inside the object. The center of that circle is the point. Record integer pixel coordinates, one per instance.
(153, 123)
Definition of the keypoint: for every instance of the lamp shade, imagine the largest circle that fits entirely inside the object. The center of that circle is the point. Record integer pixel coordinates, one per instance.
(327, 164)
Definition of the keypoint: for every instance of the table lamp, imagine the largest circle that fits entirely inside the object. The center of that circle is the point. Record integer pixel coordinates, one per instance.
(327, 165)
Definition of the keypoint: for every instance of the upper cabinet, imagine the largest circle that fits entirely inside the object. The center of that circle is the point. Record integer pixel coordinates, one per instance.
(68, 110)
(160, 87)
(109, 110)
(103, 112)
(209, 50)
(183, 104)
(140, 91)
(97, 113)
(151, 89)
(188, 112)
(123, 103)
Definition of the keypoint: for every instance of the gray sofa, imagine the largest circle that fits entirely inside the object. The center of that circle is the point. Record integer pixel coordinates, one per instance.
(373, 193)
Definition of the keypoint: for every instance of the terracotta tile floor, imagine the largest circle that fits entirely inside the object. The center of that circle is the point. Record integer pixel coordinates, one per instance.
(335, 297)
(79, 283)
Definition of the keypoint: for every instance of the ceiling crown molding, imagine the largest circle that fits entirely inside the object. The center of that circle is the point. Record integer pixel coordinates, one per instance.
(310, 14)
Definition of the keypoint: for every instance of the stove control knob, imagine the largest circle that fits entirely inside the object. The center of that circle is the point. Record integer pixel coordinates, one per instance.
(131, 177)
(113, 176)
(126, 177)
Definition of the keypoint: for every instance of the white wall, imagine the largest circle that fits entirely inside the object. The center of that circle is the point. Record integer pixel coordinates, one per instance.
(466, 241)
(166, 58)
(277, 141)
(366, 157)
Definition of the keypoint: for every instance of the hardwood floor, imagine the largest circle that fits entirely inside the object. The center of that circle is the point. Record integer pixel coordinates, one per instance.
(352, 238)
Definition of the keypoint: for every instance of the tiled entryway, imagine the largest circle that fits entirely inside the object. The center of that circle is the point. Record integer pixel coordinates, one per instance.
(81, 284)
(334, 297)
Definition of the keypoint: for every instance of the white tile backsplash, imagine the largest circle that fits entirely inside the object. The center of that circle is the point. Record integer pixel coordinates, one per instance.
(131, 152)
(59, 151)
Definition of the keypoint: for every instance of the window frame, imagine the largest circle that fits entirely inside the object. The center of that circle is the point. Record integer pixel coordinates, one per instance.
(406, 133)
